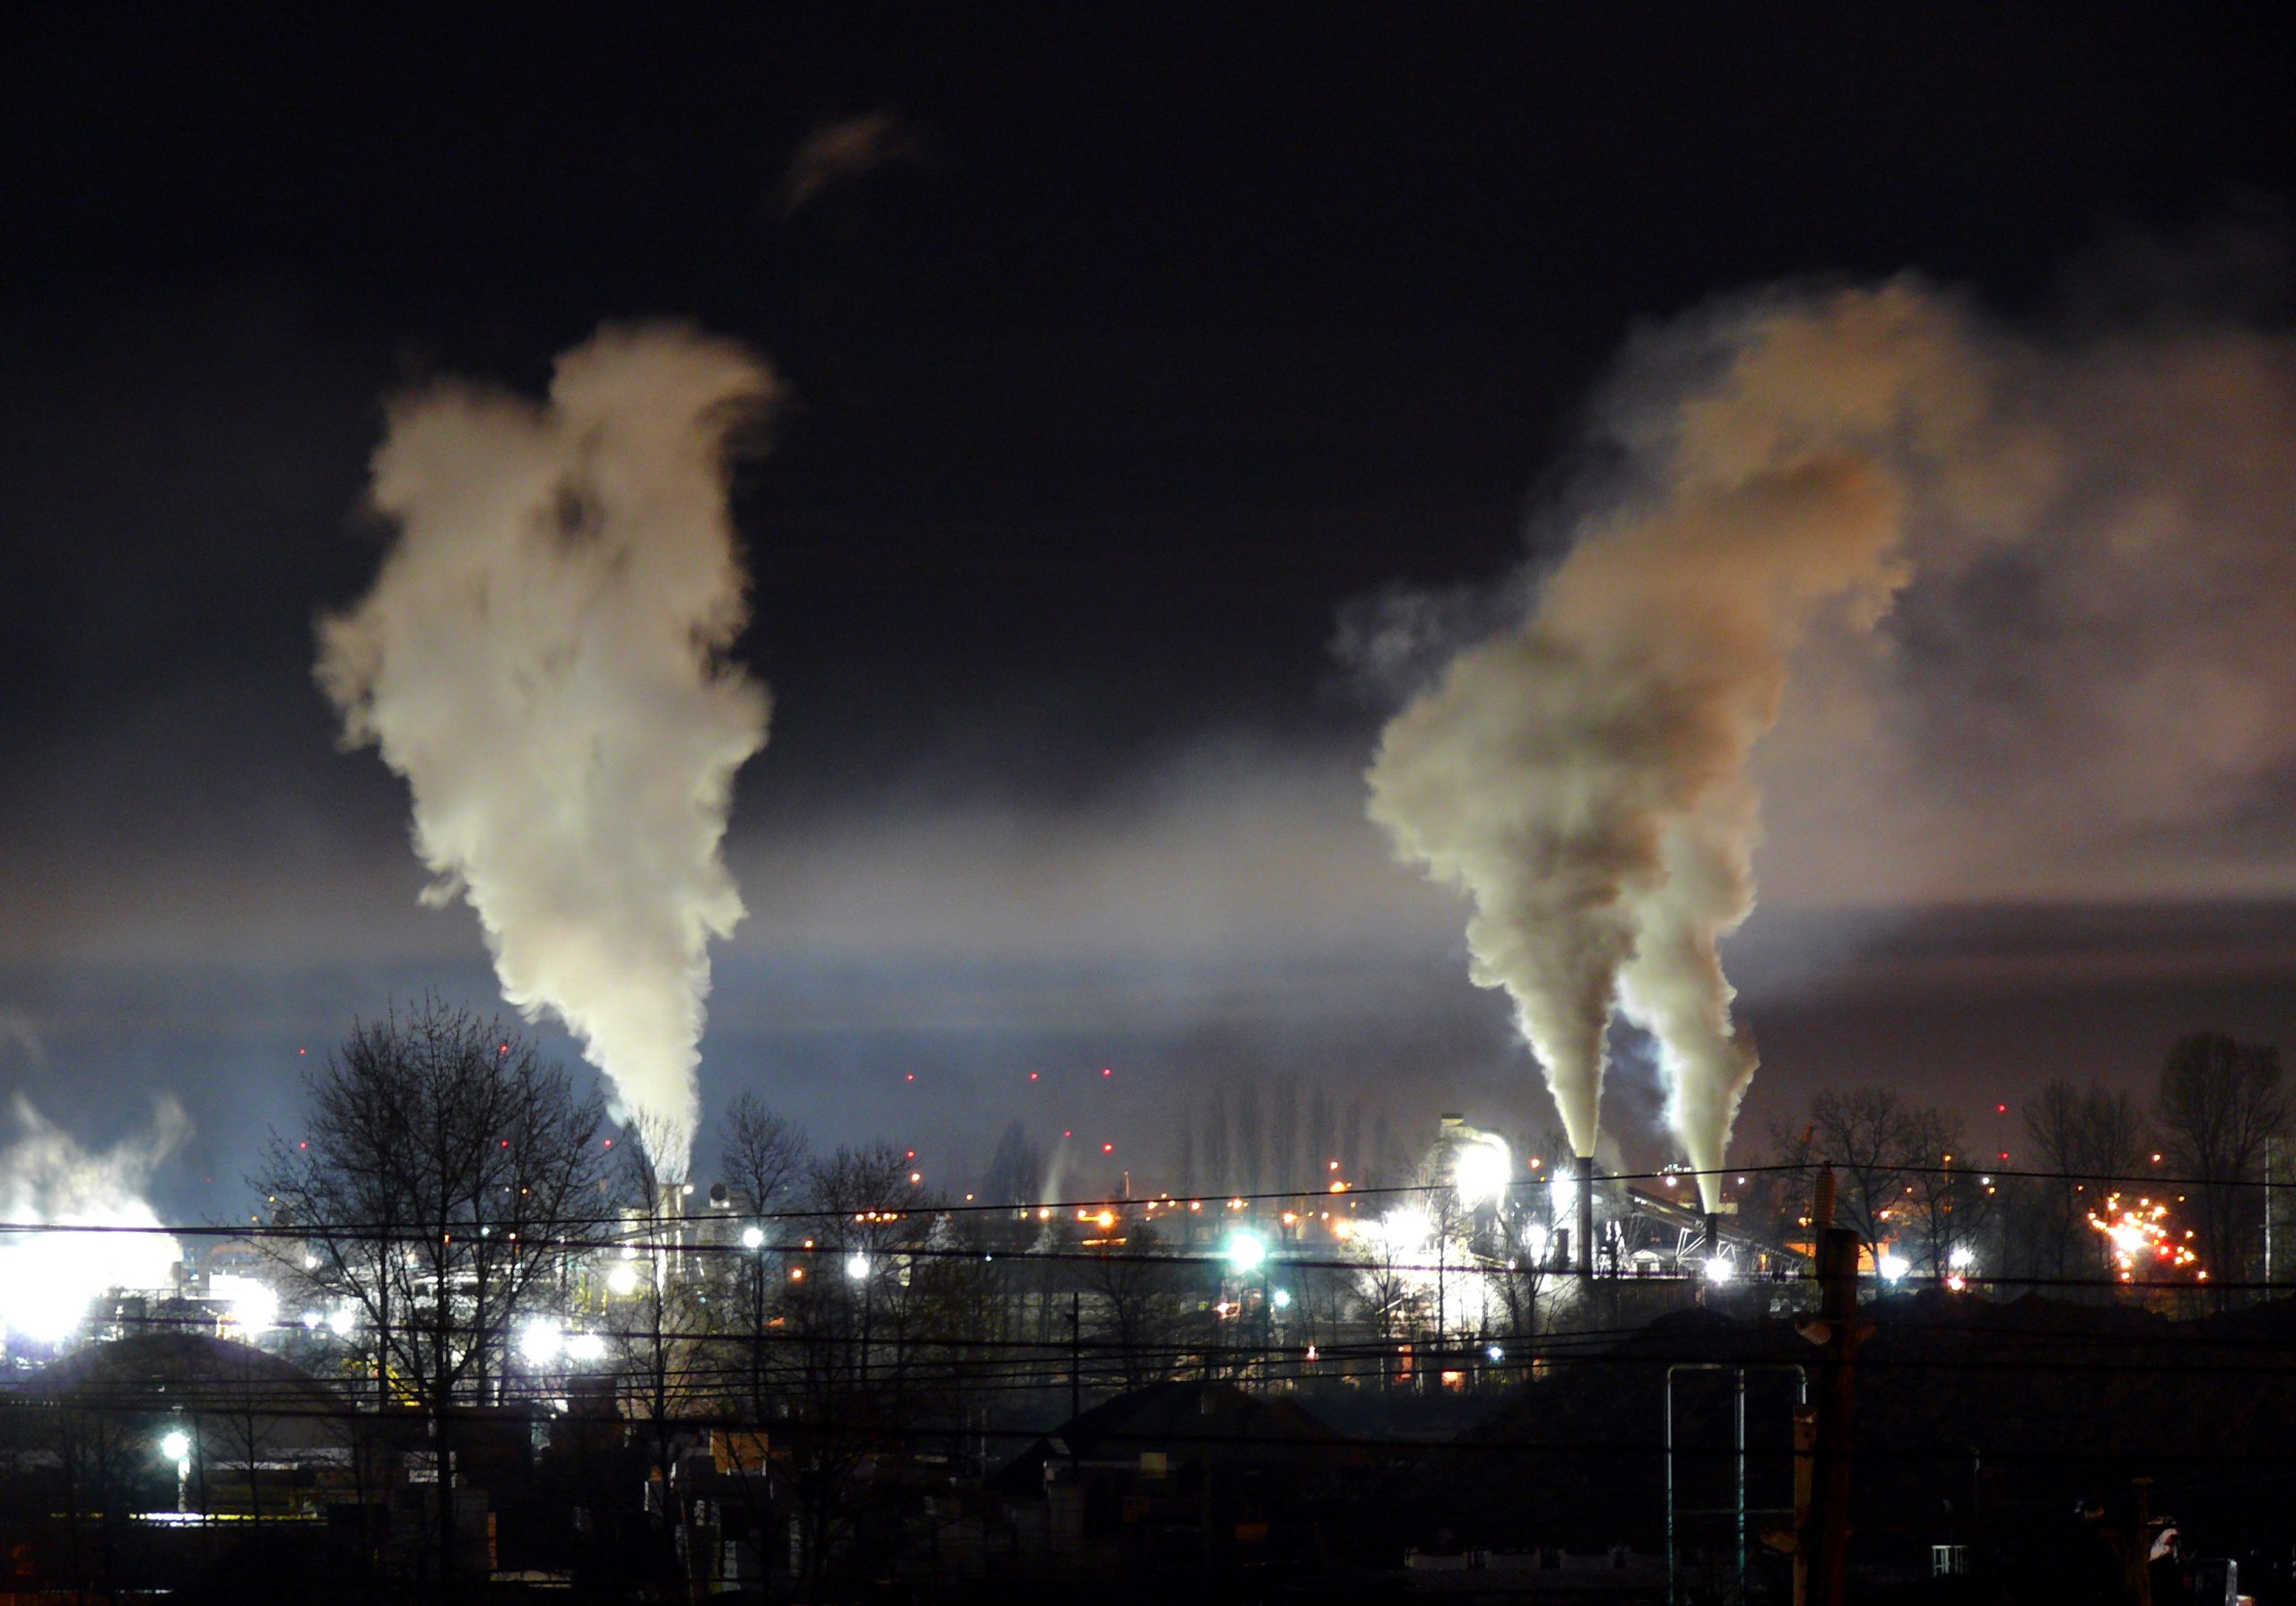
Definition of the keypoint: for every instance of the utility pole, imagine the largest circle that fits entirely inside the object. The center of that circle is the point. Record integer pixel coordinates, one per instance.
(1075, 1353)
(1822, 1438)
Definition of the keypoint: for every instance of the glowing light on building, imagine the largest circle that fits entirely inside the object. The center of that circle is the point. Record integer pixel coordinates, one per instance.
(1245, 1251)
(254, 1304)
(540, 1341)
(1480, 1171)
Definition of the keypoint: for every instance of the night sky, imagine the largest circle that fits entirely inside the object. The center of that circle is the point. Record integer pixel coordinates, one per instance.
(1133, 357)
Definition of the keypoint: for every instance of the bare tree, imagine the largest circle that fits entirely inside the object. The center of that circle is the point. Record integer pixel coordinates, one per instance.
(1949, 1200)
(850, 1384)
(1869, 1137)
(2221, 1101)
(2092, 1142)
(444, 1173)
(1140, 1299)
(763, 1157)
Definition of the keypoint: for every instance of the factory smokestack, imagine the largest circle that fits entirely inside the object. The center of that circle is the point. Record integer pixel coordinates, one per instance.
(544, 658)
(1582, 776)
(1587, 1214)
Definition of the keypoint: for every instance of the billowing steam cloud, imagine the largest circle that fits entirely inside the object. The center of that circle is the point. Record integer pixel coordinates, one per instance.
(49, 1279)
(542, 657)
(1584, 776)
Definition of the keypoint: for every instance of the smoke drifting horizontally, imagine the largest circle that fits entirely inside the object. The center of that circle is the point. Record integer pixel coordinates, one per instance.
(1583, 775)
(542, 658)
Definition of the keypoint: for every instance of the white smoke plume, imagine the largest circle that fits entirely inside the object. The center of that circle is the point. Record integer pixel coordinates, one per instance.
(49, 1279)
(1584, 777)
(542, 657)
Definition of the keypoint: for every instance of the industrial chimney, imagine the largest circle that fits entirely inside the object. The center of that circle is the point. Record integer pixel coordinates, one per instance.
(1586, 1215)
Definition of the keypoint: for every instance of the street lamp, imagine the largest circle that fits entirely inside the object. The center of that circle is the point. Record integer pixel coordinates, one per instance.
(176, 1446)
(753, 1240)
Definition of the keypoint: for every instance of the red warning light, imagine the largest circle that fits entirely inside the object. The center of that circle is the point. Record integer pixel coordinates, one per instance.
(1032, 1076)
(1108, 1071)
(910, 1155)
(1108, 1148)
(912, 1076)
(2000, 1109)
(2004, 1154)
(302, 1051)
(609, 1142)
(506, 1142)
(1067, 1133)
(306, 1143)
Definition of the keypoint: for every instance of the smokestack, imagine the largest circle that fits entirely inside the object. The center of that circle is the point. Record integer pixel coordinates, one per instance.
(1713, 1234)
(1587, 1214)
(1584, 774)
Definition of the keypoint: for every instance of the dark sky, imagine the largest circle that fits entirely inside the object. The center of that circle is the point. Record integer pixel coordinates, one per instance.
(1150, 342)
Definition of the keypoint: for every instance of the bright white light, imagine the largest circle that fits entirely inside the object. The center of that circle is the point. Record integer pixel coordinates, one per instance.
(1963, 1257)
(1719, 1269)
(540, 1341)
(1245, 1251)
(255, 1303)
(1282, 1298)
(1535, 1241)
(311, 1320)
(856, 1266)
(1480, 1171)
(176, 1446)
(587, 1347)
(753, 1237)
(623, 1281)
(1407, 1231)
(1495, 1354)
(1894, 1267)
(1562, 1182)
(48, 1279)
(342, 1321)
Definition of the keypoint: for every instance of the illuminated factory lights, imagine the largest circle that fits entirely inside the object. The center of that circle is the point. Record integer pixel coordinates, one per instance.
(2142, 1235)
(1245, 1251)
(1479, 1171)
